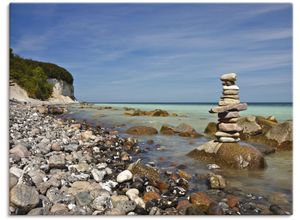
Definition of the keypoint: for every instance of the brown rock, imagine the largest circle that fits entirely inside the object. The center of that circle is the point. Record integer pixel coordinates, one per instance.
(217, 182)
(148, 196)
(232, 201)
(141, 130)
(282, 134)
(158, 113)
(59, 208)
(200, 198)
(184, 174)
(140, 169)
(233, 155)
(20, 151)
(211, 129)
(24, 197)
(183, 130)
(163, 186)
(183, 204)
(56, 147)
(215, 209)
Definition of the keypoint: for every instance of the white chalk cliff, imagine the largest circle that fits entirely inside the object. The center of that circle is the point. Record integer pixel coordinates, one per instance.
(63, 93)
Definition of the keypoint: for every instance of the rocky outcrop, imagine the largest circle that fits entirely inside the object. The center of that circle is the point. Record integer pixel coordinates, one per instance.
(234, 155)
(153, 113)
(264, 131)
(183, 130)
(141, 130)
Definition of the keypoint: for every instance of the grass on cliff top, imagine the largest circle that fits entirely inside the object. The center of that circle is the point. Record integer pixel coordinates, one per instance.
(32, 75)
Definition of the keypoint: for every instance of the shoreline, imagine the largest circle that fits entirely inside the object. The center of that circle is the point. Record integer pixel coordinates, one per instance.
(73, 174)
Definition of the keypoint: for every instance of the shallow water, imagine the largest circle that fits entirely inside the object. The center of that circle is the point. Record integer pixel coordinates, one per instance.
(276, 178)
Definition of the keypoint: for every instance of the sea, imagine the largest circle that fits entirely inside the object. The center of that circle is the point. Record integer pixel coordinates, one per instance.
(169, 152)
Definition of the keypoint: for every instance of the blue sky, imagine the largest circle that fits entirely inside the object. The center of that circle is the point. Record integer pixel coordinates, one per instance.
(161, 52)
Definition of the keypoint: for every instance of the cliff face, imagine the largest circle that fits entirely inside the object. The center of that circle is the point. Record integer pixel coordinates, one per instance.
(61, 87)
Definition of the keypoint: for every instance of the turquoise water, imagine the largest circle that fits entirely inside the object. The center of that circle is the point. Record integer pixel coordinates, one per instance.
(277, 178)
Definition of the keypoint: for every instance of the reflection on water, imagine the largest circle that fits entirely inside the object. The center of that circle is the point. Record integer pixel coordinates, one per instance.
(277, 177)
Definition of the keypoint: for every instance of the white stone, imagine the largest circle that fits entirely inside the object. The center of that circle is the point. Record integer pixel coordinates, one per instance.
(228, 77)
(228, 139)
(98, 175)
(16, 171)
(232, 87)
(210, 146)
(132, 193)
(124, 176)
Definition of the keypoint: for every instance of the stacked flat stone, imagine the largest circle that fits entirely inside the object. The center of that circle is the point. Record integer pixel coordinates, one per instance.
(228, 110)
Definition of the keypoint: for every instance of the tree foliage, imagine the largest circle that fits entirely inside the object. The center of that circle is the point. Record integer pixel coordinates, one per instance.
(32, 75)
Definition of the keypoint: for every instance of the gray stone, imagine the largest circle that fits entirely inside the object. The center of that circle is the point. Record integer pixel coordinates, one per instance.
(71, 147)
(102, 202)
(83, 198)
(44, 147)
(231, 127)
(237, 107)
(57, 160)
(126, 206)
(23, 196)
(37, 211)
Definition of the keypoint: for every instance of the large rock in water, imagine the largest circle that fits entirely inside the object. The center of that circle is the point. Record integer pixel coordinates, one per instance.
(183, 130)
(141, 130)
(282, 134)
(211, 129)
(232, 155)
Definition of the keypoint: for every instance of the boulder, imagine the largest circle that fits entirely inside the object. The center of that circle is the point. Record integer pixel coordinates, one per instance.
(249, 126)
(140, 169)
(141, 130)
(158, 113)
(56, 110)
(234, 155)
(211, 129)
(183, 130)
(282, 134)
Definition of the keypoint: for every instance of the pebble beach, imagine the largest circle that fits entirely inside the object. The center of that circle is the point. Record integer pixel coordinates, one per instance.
(66, 167)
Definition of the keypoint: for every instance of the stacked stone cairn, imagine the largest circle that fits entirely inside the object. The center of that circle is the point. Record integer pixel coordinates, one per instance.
(228, 111)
